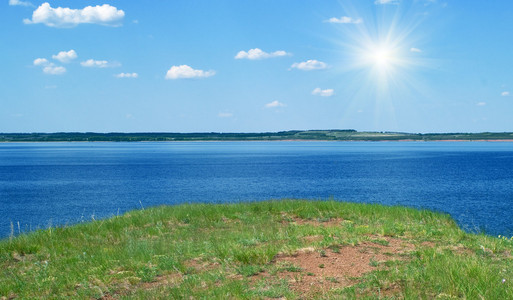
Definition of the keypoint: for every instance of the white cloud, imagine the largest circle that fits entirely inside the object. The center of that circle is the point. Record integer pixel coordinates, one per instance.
(91, 63)
(41, 62)
(48, 67)
(67, 17)
(309, 65)
(18, 2)
(54, 70)
(259, 54)
(65, 57)
(416, 50)
(386, 2)
(344, 20)
(184, 71)
(481, 103)
(127, 75)
(225, 115)
(323, 93)
(505, 93)
(275, 103)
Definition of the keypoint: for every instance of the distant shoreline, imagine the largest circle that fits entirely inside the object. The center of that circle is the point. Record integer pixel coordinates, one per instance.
(348, 135)
(272, 141)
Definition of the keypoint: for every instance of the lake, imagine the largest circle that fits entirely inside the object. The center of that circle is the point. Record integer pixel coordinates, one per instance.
(52, 184)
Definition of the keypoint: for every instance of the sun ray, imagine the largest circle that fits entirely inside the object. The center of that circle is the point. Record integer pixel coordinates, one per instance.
(385, 70)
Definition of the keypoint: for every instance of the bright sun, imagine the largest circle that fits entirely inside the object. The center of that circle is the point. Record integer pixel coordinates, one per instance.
(385, 53)
(381, 56)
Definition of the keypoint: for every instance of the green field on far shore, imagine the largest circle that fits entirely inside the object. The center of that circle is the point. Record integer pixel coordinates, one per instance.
(315, 135)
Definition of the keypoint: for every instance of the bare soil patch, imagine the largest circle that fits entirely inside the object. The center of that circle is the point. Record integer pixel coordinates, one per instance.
(327, 222)
(313, 238)
(201, 266)
(319, 222)
(428, 244)
(311, 271)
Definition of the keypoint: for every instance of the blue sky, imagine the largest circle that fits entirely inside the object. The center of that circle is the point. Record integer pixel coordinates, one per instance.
(250, 66)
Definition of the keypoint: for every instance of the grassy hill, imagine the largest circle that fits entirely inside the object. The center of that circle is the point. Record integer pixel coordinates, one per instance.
(292, 248)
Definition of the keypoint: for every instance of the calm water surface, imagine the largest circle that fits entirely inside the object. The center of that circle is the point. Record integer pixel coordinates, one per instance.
(44, 184)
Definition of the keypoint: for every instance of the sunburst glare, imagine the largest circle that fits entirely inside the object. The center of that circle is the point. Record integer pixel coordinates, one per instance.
(381, 55)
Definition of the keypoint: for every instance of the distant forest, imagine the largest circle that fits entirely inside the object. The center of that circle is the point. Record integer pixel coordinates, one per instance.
(317, 135)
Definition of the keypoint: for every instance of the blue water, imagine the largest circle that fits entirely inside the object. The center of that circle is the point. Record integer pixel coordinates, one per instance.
(49, 184)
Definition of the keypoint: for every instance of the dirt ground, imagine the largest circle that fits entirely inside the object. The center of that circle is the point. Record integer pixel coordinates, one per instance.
(309, 271)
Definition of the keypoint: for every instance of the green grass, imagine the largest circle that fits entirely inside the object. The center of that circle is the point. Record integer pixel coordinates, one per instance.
(217, 251)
